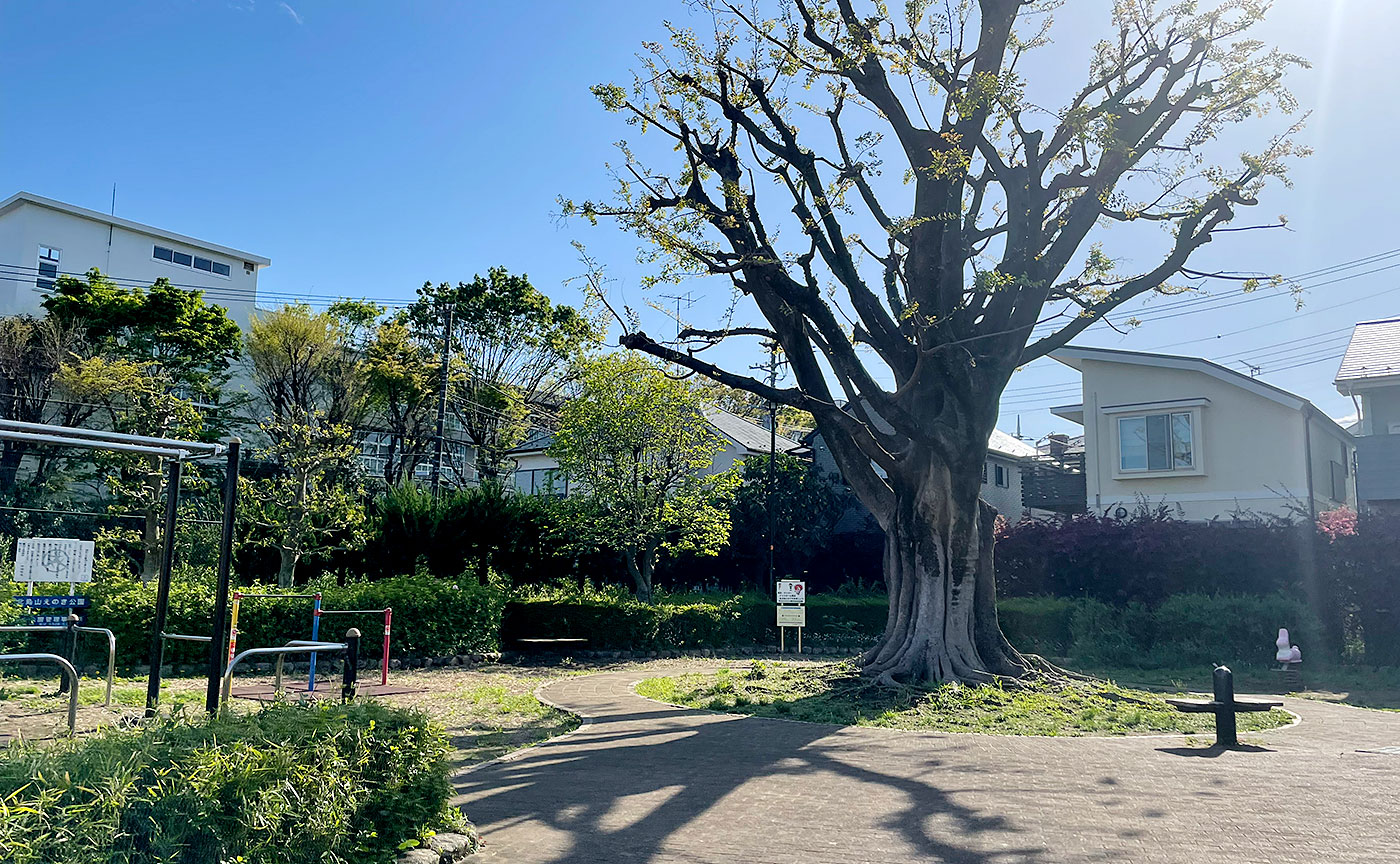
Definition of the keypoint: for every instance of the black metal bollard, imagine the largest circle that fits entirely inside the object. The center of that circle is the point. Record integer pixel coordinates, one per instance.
(1224, 683)
(70, 650)
(352, 663)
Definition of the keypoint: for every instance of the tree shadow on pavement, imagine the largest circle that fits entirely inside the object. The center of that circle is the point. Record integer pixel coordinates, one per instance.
(677, 784)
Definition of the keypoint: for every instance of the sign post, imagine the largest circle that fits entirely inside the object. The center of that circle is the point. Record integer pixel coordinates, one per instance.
(48, 560)
(792, 610)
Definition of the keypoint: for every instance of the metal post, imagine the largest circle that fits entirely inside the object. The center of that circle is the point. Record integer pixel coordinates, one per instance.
(352, 663)
(384, 661)
(70, 650)
(216, 642)
(315, 635)
(172, 510)
(442, 398)
(1223, 681)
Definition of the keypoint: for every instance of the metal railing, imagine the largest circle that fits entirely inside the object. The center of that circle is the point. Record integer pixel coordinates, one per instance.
(111, 647)
(350, 646)
(67, 670)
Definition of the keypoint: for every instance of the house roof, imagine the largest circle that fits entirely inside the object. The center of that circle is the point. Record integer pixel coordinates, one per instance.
(1009, 445)
(1373, 353)
(19, 199)
(747, 434)
(1074, 356)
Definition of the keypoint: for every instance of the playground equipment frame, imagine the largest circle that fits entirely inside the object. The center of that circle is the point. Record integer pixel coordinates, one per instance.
(175, 452)
(111, 647)
(351, 647)
(388, 614)
(67, 670)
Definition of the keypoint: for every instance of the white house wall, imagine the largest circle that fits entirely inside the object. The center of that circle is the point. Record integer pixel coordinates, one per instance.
(1249, 448)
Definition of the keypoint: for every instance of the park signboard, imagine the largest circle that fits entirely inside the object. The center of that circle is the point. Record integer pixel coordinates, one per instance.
(53, 559)
(792, 610)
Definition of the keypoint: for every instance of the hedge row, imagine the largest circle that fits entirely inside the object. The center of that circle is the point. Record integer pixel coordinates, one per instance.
(1184, 629)
(286, 785)
(438, 617)
(610, 620)
(432, 617)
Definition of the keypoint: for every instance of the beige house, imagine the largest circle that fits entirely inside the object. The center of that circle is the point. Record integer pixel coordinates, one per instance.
(537, 472)
(1202, 439)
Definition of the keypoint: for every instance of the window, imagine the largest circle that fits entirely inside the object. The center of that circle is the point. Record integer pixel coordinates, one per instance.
(1339, 481)
(1156, 442)
(195, 262)
(48, 268)
(1003, 477)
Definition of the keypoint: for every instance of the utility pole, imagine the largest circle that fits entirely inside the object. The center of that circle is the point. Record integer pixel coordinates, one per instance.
(442, 401)
(772, 458)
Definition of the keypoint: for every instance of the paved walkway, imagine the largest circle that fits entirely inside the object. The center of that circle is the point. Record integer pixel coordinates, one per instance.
(644, 782)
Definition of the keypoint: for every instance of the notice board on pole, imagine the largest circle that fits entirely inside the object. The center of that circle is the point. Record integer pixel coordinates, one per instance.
(53, 559)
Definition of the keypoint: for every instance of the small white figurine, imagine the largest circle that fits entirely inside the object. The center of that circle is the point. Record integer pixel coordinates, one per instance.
(1287, 653)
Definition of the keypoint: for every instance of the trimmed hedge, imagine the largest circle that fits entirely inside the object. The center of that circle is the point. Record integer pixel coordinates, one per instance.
(288, 784)
(1184, 629)
(611, 619)
(432, 617)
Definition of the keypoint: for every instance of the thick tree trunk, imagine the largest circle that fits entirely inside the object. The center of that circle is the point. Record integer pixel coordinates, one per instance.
(939, 568)
(640, 565)
(287, 569)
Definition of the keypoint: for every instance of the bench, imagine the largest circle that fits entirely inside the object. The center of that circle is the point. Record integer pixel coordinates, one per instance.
(1224, 706)
(550, 644)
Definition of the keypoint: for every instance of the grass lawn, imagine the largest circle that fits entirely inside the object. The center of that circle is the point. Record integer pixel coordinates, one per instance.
(1362, 686)
(487, 711)
(835, 693)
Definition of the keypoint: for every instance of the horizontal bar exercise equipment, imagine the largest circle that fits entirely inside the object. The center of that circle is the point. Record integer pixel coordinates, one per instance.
(67, 670)
(111, 647)
(317, 612)
(351, 647)
(181, 637)
(210, 448)
(61, 441)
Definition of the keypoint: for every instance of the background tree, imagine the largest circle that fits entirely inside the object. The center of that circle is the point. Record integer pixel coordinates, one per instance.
(515, 347)
(307, 363)
(634, 441)
(312, 503)
(805, 506)
(33, 352)
(401, 376)
(980, 262)
(192, 343)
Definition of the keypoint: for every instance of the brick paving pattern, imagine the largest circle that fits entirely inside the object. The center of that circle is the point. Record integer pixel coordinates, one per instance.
(645, 782)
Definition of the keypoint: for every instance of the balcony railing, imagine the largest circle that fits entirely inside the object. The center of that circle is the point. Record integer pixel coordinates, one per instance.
(1054, 483)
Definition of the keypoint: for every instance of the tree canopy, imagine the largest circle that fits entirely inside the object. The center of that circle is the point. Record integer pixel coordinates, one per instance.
(982, 259)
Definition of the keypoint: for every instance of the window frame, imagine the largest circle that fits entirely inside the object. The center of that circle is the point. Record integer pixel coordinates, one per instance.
(43, 282)
(1190, 408)
(213, 262)
(1001, 476)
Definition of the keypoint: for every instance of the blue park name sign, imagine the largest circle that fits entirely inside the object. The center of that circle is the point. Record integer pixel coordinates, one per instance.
(53, 602)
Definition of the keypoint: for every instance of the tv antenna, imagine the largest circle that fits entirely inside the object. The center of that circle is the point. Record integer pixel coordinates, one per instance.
(1253, 370)
(688, 299)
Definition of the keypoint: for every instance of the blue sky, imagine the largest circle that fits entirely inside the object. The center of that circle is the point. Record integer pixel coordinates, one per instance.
(366, 148)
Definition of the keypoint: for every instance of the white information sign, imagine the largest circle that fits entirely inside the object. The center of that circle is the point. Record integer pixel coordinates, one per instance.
(792, 592)
(53, 559)
(792, 616)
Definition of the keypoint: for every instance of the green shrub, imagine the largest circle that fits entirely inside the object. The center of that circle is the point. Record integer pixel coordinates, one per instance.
(1184, 629)
(287, 784)
(432, 617)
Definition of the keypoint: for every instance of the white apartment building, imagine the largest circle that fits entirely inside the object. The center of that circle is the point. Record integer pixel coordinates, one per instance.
(42, 239)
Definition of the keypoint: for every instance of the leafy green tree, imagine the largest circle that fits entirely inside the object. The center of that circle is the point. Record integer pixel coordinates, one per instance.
(636, 443)
(805, 509)
(401, 375)
(193, 343)
(312, 503)
(784, 141)
(515, 347)
(307, 363)
(33, 354)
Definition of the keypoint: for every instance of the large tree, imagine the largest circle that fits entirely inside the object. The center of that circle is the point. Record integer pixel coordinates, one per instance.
(939, 284)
